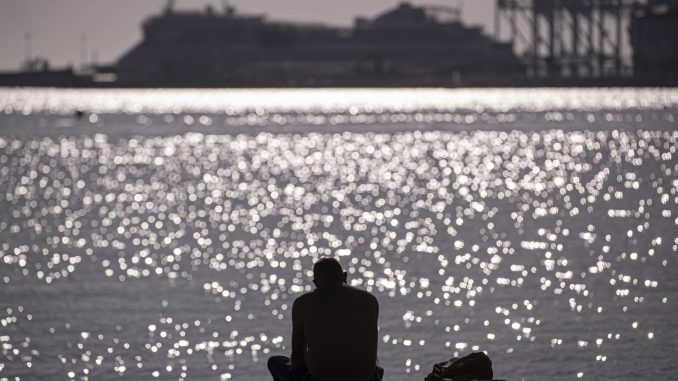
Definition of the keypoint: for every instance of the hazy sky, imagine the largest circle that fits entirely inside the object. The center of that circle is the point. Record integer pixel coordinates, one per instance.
(114, 26)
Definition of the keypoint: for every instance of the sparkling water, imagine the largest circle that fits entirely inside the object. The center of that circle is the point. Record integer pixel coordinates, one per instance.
(163, 234)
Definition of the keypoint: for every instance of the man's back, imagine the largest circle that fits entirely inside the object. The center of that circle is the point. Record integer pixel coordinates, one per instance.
(340, 328)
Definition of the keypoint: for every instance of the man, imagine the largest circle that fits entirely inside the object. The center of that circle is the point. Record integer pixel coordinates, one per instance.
(334, 332)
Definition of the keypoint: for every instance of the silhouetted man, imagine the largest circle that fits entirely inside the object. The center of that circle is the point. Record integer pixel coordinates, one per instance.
(334, 332)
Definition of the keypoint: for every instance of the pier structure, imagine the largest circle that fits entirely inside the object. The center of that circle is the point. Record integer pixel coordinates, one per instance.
(569, 39)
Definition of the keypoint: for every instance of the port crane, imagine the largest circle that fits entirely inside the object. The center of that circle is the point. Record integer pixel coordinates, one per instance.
(568, 38)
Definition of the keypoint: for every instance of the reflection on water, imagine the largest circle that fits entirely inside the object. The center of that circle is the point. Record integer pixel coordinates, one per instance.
(178, 256)
(323, 101)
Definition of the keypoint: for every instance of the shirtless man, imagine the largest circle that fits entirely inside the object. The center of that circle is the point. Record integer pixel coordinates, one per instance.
(334, 332)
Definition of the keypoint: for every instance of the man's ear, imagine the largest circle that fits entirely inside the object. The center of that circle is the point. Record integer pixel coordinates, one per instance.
(344, 276)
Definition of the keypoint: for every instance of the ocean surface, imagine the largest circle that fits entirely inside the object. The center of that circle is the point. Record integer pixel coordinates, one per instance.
(163, 234)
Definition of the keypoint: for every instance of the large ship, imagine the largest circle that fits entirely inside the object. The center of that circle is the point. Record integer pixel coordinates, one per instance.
(404, 46)
(408, 45)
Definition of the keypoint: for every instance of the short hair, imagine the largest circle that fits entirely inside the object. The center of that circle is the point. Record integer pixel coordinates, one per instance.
(328, 269)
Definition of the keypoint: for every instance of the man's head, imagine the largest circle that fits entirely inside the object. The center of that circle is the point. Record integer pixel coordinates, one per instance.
(327, 272)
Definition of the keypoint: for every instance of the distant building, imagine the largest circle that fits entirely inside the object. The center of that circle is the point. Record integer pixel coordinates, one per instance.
(654, 36)
(405, 46)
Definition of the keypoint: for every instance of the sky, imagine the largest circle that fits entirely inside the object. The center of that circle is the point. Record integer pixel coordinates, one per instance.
(59, 29)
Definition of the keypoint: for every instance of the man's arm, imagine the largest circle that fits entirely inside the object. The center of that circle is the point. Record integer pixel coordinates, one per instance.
(298, 340)
(376, 307)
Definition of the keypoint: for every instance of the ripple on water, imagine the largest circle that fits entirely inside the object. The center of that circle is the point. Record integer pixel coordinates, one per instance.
(178, 257)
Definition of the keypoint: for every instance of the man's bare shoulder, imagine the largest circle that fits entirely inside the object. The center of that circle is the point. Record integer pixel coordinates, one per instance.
(304, 298)
(362, 294)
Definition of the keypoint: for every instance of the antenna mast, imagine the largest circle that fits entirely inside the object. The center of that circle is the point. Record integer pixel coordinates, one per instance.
(83, 50)
(169, 6)
(27, 46)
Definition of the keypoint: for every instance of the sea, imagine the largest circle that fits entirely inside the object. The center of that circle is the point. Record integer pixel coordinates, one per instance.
(164, 234)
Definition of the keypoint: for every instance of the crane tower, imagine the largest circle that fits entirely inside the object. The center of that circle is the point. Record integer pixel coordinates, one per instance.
(569, 38)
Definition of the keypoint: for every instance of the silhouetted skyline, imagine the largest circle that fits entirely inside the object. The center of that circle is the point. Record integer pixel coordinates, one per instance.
(70, 31)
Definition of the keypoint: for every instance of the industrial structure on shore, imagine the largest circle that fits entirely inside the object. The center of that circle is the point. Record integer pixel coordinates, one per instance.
(568, 41)
(549, 42)
(654, 37)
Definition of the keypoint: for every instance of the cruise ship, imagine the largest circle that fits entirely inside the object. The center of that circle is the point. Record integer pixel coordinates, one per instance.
(407, 45)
